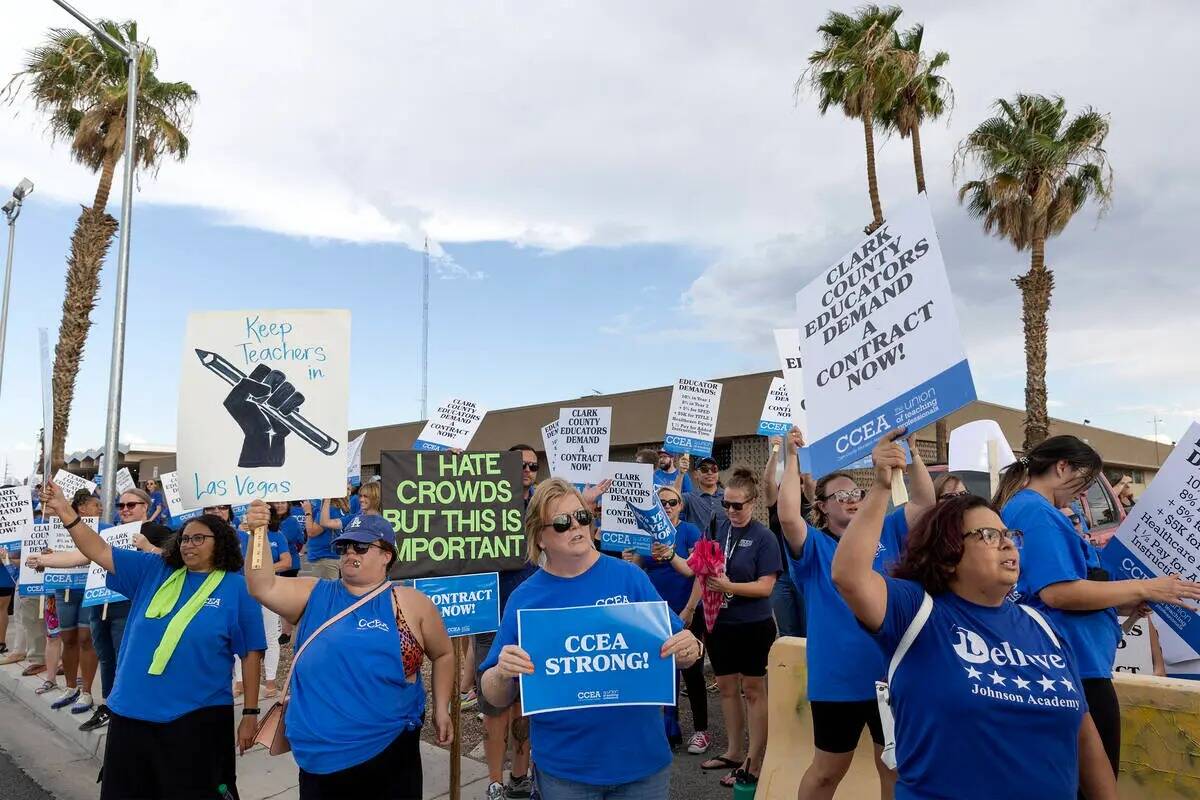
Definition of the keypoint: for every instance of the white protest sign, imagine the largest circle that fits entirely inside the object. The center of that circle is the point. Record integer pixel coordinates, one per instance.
(124, 481)
(96, 592)
(787, 343)
(632, 484)
(354, 458)
(170, 488)
(1161, 534)
(37, 540)
(61, 542)
(582, 444)
(70, 483)
(692, 420)
(969, 446)
(776, 417)
(16, 514)
(262, 406)
(550, 444)
(1133, 651)
(451, 426)
(880, 341)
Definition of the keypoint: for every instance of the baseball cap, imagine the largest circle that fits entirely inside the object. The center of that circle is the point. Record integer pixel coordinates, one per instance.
(707, 460)
(367, 528)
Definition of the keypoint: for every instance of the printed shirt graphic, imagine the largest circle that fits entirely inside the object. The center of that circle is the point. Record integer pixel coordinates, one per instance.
(843, 661)
(198, 674)
(566, 743)
(1054, 552)
(986, 705)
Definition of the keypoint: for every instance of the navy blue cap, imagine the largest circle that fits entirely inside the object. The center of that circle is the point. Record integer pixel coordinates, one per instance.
(367, 528)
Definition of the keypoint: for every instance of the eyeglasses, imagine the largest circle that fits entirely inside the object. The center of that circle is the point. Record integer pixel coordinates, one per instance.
(195, 538)
(529, 466)
(845, 495)
(130, 506)
(993, 536)
(708, 468)
(729, 504)
(948, 495)
(359, 548)
(562, 522)
(669, 503)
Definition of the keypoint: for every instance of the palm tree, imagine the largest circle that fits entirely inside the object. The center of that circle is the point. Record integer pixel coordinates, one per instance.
(856, 71)
(79, 82)
(923, 94)
(1037, 170)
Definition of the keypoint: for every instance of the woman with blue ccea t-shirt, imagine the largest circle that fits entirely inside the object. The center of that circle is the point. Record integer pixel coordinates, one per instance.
(356, 697)
(986, 693)
(1061, 575)
(190, 614)
(158, 511)
(281, 560)
(589, 753)
(323, 523)
(843, 662)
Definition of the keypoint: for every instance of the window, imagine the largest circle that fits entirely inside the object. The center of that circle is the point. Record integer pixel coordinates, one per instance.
(1100, 507)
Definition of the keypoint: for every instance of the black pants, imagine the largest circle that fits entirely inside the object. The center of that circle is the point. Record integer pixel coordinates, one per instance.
(185, 759)
(1106, 713)
(693, 679)
(394, 774)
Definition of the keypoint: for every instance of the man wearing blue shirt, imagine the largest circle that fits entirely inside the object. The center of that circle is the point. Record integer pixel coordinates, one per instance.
(701, 506)
(666, 473)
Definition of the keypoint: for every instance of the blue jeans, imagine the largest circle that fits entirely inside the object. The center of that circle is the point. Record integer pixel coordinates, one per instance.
(106, 639)
(787, 601)
(652, 787)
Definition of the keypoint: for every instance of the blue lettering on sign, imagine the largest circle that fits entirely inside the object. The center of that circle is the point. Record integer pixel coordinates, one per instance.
(686, 444)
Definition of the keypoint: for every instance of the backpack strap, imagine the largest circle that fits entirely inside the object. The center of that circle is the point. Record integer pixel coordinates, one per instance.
(910, 635)
(1037, 617)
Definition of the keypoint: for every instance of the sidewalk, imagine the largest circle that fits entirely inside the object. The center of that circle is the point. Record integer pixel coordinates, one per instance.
(260, 776)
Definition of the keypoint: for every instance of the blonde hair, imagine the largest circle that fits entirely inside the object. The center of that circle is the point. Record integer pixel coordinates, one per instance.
(341, 503)
(537, 513)
(368, 493)
(671, 489)
(943, 481)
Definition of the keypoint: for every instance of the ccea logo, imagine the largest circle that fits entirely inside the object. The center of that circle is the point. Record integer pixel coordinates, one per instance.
(212, 602)
(372, 624)
(973, 649)
(859, 435)
(616, 599)
(588, 695)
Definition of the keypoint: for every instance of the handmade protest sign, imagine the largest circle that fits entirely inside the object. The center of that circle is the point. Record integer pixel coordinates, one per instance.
(550, 444)
(262, 406)
(354, 460)
(31, 582)
(692, 420)
(776, 417)
(170, 487)
(581, 447)
(469, 604)
(632, 485)
(594, 656)
(451, 426)
(454, 513)
(96, 591)
(70, 483)
(1161, 535)
(880, 341)
(61, 542)
(124, 481)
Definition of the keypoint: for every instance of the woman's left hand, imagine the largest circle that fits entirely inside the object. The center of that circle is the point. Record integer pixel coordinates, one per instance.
(245, 733)
(684, 646)
(720, 583)
(445, 730)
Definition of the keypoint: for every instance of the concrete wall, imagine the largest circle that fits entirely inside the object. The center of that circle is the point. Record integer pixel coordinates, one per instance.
(1160, 735)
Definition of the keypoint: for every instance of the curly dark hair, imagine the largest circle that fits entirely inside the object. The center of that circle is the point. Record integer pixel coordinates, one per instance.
(227, 551)
(935, 544)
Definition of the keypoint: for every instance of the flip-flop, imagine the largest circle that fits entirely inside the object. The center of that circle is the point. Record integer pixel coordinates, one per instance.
(741, 774)
(722, 763)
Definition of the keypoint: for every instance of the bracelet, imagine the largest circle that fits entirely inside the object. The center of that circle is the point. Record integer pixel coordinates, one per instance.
(249, 712)
(73, 523)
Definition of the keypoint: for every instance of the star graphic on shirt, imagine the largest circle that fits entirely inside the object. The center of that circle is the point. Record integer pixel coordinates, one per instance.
(973, 673)
(1047, 684)
(1070, 686)
(997, 679)
(1021, 683)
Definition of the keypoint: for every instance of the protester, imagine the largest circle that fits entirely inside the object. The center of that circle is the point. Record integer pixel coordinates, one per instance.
(356, 700)
(843, 662)
(787, 600)
(276, 548)
(703, 504)
(158, 511)
(966, 673)
(1062, 575)
(369, 501)
(191, 614)
(292, 527)
(1124, 490)
(668, 472)
(326, 518)
(587, 753)
(8, 596)
(948, 485)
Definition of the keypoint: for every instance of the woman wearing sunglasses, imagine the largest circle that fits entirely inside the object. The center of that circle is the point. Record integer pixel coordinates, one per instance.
(843, 662)
(356, 697)
(947, 486)
(1061, 574)
(190, 614)
(590, 753)
(986, 696)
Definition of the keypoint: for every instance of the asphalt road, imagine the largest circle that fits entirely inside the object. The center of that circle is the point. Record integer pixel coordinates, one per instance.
(17, 785)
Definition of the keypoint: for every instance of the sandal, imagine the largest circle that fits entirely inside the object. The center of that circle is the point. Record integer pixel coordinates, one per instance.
(721, 762)
(740, 775)
(47, 686)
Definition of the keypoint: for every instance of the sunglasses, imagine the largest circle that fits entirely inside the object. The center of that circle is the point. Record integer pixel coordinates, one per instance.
(529, 466)
(993, 536)
(195, 538)
(947, 495)
(728, 504)
(669, 503)
(708, 468)
(845, 495)
(130, 506)
(562, 522)
(359, 548)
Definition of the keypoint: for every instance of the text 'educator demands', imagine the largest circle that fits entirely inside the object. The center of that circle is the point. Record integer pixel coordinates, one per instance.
(454, 514)
(880, 341)
(1161, 535)
(692, 420)
(262, 406)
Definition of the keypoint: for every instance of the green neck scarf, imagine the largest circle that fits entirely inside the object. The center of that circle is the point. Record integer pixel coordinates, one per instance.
(165, 599)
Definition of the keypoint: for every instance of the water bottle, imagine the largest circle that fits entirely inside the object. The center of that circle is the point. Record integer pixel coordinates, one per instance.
(224, 794)
(743, 789)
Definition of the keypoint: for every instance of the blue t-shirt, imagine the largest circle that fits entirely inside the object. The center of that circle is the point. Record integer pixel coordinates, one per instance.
(198, 674)
(750, 553)
(566, 743)
(509, 581)
(986, 704)
(843, 662)
(1054, 552)
(664, 478)
(275, 540)
(355, 504)
(699, 508)
(672, 586)
(335, 720)
(321, 545)
(292, 529)
(157, 503)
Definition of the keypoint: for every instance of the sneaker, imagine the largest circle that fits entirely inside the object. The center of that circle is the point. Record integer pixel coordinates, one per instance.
(98, 720)
(66, 700)
(495, 791)
(83, 704)
(518, 788)
(699, 743)
(468, 700)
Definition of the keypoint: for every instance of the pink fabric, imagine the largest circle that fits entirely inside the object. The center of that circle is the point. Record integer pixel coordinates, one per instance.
(707, 561)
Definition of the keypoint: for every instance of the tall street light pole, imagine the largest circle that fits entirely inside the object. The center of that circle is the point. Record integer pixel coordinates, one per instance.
(12, 210)
(112, 429)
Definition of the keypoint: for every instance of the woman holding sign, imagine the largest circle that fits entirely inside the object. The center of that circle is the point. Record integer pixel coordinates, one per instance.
(356, 698)
(986, 694)
(190, 614)
(585, 753)
(1061, 573)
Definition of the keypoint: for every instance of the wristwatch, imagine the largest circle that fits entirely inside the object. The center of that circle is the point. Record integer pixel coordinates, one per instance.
(250, 712)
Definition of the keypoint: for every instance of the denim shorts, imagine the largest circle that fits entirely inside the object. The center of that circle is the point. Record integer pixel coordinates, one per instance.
(72, 614)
